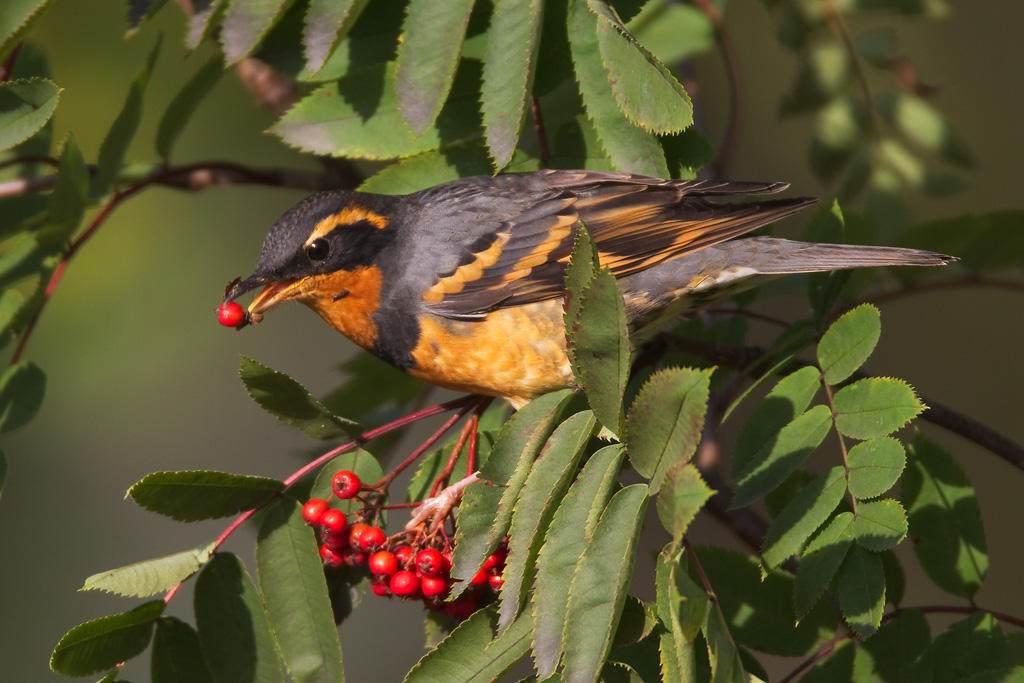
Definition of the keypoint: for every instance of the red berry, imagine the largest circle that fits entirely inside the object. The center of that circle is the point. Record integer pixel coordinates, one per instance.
(333, 523)
(354, 558)
(383, 562)
(480, 578)
(330, 558)
(372, 538)
(355, 534)
(496, 559)
(404, 584)
(379, 586)
(404, 553)
(461, 608)
(430, 562)
(230, 314)
(496, 581)
(346, 484)
(434, 586)
(313, 510)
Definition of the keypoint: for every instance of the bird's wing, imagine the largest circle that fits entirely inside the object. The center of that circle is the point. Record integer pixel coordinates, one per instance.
(635, 221)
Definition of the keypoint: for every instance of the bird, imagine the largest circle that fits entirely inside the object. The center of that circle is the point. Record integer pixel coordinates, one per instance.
(463, 284)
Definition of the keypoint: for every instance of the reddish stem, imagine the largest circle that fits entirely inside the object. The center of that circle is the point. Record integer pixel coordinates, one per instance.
(8, 67)
(471, 455)
(442, 480)
(538, 125)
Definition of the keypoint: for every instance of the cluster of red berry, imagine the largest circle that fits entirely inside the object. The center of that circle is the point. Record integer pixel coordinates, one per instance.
(417, 570)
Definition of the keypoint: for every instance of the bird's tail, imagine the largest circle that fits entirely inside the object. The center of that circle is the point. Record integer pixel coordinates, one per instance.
(774, 256)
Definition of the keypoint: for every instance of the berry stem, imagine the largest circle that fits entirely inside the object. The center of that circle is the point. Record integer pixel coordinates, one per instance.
(467, 428)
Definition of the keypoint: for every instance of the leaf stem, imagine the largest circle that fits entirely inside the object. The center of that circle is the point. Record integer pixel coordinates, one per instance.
(538, 126)
(842, 442)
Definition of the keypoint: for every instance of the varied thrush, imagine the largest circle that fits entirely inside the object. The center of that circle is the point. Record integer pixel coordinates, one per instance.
(462, 284)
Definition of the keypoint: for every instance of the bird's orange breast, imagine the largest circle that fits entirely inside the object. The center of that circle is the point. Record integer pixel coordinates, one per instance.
(515, 353)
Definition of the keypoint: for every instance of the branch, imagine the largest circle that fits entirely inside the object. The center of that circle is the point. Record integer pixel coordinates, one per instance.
(838, 27)
(912, 288)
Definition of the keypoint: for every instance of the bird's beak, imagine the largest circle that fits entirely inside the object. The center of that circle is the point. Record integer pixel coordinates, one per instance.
(273, 293)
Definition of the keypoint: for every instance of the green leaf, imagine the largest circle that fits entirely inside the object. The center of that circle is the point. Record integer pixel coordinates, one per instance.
(682, 607)
(629, 147)
(193, 495)
(25, 106)
(11, 302)
(600, 584)
(681, 498)
(203, 20)
(358, 116)
(115, 144)
(807, 511)
(543, 490)
(150, 577)
(234, 633)
(102, 643)
(645, 90)
(141, 10)
(875, 406)
(289, 402)
(428, 169)
(71, 192)
(880, 524)
(425, 65)
(176, 655)
(794, 443)
(579, 273)
(820, 561)
(362, 462)
(22, 386)
(861, 587)
(897, 645)
(971, 236)
(472, 652)
(673, 32)
(512, 44)
(875, 466)
(757, 607)
(3, 471)
(185, 103)
(566, 537)
(664, 422)
(787, 400)
(292, 582)
(824, 73)
(945, 520)
(16, 18)
(848, 342)
(486, 510)
(924, 125)
(327, 22)
(723, 654)
(601, 348)
(246, 23)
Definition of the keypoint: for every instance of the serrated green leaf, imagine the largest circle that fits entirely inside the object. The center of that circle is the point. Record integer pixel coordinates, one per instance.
(176, 656)
(791, 447)
(681, 498)
(757, 607)
(193, 495)
(646, 91)
(358, 116)
(923, 125)
(547, 482)
(150, 577)
(824, 72)
(70, 193)
(673, 32)
(234, 633)
(11, 301)
(472, 652)
(22, 386)
(246, 23)
(807, 511)
(788, 399)
(16, 18)
(115, 144)
(820, 561)
(601, 348)
(723, 654)
(185, 103)
(896, 646)
(861, 587)
(291, 403)
(99, 644)
(848, 342)
(512, 44)
(25, 107)
(327, 22)
(629, 147)
(360, 461)
(486, 510)
(579, 273)
(292, 583)
(875, 406)
(203, 20)
(875, 466)
(599, 585)
(664, 422)
(895, 580)
(419, 172)
(682, 607)
(567, 535)
(686, 152)
(141, 10)
(945, 519)
(426, 66)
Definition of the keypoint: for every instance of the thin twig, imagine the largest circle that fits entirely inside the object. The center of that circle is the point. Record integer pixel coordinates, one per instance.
(839, 28)
(538, 126)
(732, 76)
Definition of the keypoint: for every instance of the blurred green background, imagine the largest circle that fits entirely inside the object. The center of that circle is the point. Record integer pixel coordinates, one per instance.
(141, 378)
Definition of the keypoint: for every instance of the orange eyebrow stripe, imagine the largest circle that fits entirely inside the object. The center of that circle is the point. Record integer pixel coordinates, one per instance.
(353, 213)
(471, 271)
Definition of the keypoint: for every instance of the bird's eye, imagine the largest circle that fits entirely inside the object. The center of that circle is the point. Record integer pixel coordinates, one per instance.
(318, 250)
